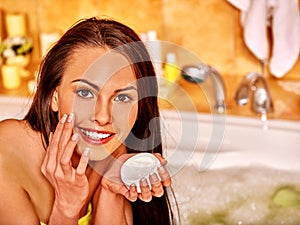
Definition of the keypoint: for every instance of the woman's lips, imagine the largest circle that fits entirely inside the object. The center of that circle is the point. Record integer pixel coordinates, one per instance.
(94, 136)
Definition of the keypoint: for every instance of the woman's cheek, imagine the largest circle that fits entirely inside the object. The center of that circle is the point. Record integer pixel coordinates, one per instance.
(66, 103)
(124, 116)
(82, 109)
(133, 115)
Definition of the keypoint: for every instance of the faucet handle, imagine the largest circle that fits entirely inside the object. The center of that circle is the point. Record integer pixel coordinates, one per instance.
(261, 98)
(241, 95)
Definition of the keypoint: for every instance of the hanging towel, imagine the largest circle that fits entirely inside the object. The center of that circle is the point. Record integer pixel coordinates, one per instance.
(254, 22)
(285, 25)
(286, 36)
(255, 32)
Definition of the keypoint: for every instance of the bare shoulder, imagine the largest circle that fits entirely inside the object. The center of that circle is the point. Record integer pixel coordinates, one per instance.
(19, 144)
(10, 122)
(9, 129)
(6, 126)
(16, 166)
(12, 139)
(11, 132)
(19, 141)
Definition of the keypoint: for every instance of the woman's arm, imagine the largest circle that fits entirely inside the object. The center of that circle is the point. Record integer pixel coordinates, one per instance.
(112, 208)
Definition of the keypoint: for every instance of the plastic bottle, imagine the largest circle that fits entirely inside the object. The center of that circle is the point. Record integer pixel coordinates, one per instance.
(171, 70)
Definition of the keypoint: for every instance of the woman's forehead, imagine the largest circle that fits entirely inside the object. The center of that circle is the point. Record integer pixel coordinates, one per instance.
(98, 64)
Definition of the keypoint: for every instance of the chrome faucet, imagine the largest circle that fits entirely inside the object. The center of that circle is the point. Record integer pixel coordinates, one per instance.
(261, 97)
(201, 73)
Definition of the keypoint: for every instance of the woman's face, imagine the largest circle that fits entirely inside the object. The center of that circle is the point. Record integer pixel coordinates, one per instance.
(102, 94)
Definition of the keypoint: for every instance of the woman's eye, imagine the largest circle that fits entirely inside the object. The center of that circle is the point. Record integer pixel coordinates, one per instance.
(84, 93)
(122, 98)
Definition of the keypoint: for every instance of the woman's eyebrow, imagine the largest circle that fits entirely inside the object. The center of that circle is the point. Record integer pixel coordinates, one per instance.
(88, 83)
(97, 88)
(125, 89)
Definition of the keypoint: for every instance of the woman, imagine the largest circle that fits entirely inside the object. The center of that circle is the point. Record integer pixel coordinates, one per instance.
(58, 186)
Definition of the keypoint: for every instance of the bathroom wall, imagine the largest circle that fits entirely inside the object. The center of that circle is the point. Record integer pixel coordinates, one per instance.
(52, 16)
(210, 29)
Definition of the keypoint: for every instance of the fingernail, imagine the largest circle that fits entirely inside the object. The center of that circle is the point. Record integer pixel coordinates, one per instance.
(64, 118)
(132, 187)
(154, 177)
(70, 118)
(50, 136)
(86, 152)
(75, 137)
(144, 182)
(160, 167)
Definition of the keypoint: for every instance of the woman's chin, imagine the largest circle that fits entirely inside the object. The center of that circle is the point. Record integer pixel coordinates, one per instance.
(96, 153)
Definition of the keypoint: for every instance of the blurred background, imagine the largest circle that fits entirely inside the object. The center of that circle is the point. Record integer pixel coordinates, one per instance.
(211, 29)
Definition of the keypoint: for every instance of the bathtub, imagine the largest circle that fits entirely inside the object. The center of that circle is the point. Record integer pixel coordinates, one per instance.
(13, 107)
(230, 141)
(229, 169)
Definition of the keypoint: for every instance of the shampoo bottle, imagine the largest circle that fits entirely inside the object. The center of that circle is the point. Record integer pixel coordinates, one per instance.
(171, 70)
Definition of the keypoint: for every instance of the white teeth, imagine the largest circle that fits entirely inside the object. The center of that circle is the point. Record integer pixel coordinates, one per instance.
(94, 135)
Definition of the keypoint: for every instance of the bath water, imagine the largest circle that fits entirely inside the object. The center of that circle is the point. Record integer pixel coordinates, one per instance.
(241, 196)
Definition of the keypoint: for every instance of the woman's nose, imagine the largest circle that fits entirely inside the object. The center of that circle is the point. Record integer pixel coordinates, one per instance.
(103, 114)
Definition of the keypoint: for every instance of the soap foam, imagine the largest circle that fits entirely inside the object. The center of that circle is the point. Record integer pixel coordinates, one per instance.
(235, 196)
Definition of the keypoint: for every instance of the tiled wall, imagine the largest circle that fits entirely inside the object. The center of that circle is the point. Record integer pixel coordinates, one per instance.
(209, 28)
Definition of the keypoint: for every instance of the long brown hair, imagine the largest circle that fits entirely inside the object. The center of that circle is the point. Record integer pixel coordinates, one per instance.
(107, 33)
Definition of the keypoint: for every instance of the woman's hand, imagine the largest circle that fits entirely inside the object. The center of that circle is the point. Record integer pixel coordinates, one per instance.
(70, 184)
(111, 181)
(113, 189)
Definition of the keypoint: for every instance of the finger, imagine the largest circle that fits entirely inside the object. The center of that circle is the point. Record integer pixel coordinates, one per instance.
(121, 189)
(133, 195)
(55, 139)
(164, 175)
(146, 194)
(65, 135)
(47, 152)
(81, 168)
(157, 188)
(50, 160)
(59, 128)
(161, 159)
(69, 149)
(50, 136)
(43, 167)
(65, 161)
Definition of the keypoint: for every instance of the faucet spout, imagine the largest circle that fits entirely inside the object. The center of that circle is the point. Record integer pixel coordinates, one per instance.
(261, 98)
(220, 90)
(201, 74)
